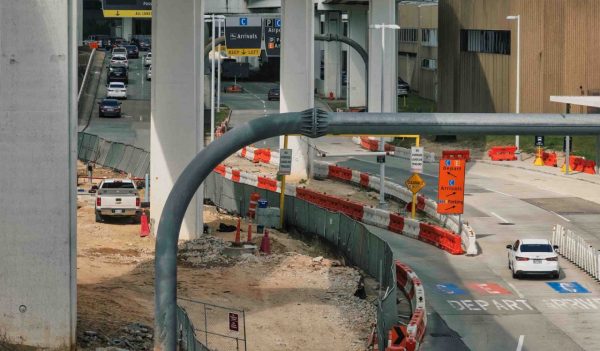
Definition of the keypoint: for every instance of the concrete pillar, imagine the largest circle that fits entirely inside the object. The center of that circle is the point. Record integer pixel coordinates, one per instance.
(177, 114)
(127, 28)
(38, 143)
(382, 11)
(296, 72)
(333, 54)
(357, 72)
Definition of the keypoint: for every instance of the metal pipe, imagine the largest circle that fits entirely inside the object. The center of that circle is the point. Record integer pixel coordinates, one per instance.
(219, 70)
(315, 123)
(212, 84)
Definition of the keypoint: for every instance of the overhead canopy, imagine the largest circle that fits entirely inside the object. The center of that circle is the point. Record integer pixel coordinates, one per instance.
(591, 101)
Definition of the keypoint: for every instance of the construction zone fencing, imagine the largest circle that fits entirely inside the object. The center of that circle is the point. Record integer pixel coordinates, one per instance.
(577, 250)
(363, 248)
(186, 337)
(117, 156)
(216, 327)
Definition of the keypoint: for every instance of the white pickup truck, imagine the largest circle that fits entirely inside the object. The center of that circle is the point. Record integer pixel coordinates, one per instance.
(117, 198)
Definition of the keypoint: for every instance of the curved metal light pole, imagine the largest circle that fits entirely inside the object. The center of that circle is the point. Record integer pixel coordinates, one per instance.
(313, 124)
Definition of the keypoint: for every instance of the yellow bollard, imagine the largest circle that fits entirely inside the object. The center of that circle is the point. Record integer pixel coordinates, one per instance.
(538, 160)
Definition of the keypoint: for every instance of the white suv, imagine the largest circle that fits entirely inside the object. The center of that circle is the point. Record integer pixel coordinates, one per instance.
(533, 256)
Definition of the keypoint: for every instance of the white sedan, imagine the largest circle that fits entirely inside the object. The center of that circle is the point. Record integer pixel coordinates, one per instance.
(533, 256)
(118, 60)
(116, 90)
(149, 73)
(148, 59)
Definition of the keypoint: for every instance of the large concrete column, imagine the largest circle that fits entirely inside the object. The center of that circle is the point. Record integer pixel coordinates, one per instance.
(296, 72)
(177, 118)
(127, 27)
(38, 142)
(79, 22)
(382, 11)
(357, 72)
(333, 54)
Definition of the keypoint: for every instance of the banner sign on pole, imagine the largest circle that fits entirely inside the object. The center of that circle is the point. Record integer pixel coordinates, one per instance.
(243, 35)
(451, 186)
(272, 30)
(285, 162)
(416, 159)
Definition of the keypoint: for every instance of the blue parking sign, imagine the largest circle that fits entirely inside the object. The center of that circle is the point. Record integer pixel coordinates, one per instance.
(243, 21)
(568, 288)
(450, 289)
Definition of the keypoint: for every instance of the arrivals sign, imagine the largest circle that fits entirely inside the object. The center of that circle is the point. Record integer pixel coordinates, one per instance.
(243, 35)
(127, 8)
(272, 30)
(451, 186)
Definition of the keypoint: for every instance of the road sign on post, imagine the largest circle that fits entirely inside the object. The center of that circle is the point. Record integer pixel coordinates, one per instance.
(415, 183)
(416, 159)
(451, 186)
(243, 35)
(272, 30)
(539, 140)
(285, 162)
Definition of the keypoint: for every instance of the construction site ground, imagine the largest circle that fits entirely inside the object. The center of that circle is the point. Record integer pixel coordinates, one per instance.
(299, 298)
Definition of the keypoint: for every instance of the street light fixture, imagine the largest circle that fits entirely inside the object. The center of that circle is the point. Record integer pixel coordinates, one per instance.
(518, 98)
(382, 27)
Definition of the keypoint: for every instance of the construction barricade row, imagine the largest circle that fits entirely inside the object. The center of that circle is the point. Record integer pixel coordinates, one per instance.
(457, 154)
(372, 144)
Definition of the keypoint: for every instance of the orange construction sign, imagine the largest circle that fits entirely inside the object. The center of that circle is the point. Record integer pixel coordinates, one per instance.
(451, 186)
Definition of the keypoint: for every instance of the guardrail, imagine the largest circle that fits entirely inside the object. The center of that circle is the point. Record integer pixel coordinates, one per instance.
(577, 250)
(117, 156)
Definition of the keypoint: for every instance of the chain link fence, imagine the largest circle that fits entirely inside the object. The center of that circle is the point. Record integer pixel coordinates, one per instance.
(117, 156)
(362, 247)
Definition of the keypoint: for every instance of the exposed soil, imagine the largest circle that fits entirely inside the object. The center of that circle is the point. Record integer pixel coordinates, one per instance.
(292, 300)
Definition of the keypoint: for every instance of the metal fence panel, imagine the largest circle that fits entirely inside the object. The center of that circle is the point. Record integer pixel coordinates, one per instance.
(114, 155)
(103, 149)
(125, 158)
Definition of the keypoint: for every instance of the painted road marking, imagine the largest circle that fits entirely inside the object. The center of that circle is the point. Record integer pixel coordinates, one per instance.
(520, 344)
(500, 218)
(568, 288)
(498, 192)
(576, 304)
(495, 304)
(489, 288)
(564, 218)
(516, 290)
(450, 289)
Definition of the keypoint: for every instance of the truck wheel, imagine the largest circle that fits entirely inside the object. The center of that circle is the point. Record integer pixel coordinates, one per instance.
(99, 218)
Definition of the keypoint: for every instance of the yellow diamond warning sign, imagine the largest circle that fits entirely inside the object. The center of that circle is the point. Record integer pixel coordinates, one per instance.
(415, 183)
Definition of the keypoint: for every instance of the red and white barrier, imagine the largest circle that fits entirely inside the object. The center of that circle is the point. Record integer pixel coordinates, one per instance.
(394, 222)
(372, 144)
(324, 170)
(410, 284)
(257, 155)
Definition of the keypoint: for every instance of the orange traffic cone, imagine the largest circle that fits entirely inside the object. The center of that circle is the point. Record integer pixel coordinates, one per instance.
(144, 228)
(249, 232)
(265, 244)
(237, 233)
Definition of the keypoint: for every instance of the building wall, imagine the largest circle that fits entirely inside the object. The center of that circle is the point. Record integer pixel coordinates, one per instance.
(560, 42)
(418, 15)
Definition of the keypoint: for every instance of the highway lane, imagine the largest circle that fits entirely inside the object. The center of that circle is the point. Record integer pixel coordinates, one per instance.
(134, 126)
(500, 210)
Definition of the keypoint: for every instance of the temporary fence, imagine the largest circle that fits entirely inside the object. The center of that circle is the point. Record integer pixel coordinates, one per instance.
(362, 247)
(117, 156)
(577, 250)
(186, 337)
(216, 327)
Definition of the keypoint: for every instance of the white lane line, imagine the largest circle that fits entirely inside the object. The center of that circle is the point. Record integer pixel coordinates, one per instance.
(516, 290)
(520, 344)
(500, 218)
(498, 192)
(564, 218)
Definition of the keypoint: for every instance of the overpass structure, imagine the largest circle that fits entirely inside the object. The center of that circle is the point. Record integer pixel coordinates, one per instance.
(38, 301)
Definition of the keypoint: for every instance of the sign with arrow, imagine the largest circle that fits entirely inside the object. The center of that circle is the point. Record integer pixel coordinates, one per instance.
(243, 35)
(451, 186)
(415, 183)
(127, 8)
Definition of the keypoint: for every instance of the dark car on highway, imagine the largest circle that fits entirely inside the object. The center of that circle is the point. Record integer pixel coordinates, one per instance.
(273, 94)
(117, 74)
(109, 108)
(145, 45)
(132, 51)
